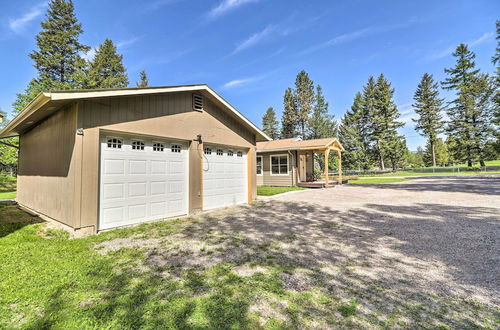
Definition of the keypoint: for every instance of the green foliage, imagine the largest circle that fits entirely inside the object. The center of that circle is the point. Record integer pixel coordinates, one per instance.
(289, 117)
(144, 80)
(270, 191)
(415, 159)
(469, 113)
(304, 99)
(428, 107)
(270, 124)
(389, 145)
(321, 124)
(442, 157)
(351, 136)
(106, 70)
(349, 309)
(35, 87)
(58, 55)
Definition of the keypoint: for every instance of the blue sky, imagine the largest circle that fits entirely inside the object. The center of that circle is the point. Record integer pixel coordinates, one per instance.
(251, 50)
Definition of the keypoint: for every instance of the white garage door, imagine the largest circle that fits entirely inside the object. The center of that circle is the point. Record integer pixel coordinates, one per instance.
(224, 177)
(141, 180)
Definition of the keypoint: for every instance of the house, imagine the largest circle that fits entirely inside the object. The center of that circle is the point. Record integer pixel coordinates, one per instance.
(99, 159)
(290, 162)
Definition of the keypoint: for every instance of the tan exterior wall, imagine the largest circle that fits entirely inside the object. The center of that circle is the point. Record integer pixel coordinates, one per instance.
(268, 179)
(48, 167)
(164, 115)
(195, 177)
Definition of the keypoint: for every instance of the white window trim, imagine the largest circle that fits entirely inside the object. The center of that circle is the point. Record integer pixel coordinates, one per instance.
(137, 140)
(271, 165)
(261, 165)
(115, 137)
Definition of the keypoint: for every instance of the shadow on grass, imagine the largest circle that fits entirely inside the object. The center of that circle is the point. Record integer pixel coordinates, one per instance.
(13, 218)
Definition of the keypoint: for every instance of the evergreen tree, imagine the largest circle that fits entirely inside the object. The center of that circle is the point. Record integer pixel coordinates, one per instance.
(58, 55)
(270, 124)
(441, 156)
(57, 58)
(388, 143)
(468, 112)
(106, 69)
(428, 108)
(321, 124)
(289, 117)
(304, 100)
(144, 80)
(355, 156)
(496, 96)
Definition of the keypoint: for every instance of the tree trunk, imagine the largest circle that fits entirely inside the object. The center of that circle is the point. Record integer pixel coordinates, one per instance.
(481, 162)
(433, 155)
(381, 157)
(469, 163)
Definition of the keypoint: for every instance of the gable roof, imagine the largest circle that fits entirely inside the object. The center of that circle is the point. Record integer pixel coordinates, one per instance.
(296, 144)
(47, 103)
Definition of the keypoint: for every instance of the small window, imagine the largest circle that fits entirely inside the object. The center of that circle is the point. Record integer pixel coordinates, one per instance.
(259, 165)
(230, 153)
(239, 154)
(279, 165)
(197, 102)
(208, 151)
(220, 152)
(175, 148)
(158, 147)
(114, 143)
(137, 145)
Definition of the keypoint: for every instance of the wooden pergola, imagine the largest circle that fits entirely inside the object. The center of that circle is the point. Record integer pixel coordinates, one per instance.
(333, 146)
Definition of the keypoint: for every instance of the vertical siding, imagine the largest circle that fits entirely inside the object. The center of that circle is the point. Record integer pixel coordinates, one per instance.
(277, 180)
(47, 167)
(162, 115)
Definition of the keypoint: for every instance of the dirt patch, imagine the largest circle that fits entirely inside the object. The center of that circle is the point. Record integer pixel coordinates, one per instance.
(246, 270)
(126, 243)
(270, 308)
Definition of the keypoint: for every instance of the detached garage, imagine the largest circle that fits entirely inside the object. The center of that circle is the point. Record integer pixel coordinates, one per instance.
(100, 159)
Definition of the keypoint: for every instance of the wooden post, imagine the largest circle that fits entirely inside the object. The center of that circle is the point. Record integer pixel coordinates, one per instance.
(339, 153)
(327, 151)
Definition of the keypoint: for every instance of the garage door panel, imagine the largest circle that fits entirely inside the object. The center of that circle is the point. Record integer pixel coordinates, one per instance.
(224, 178)
(142, 185)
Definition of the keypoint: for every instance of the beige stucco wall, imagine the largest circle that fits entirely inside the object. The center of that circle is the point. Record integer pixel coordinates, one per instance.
(48, 159)
(268, 179)
(164, 115)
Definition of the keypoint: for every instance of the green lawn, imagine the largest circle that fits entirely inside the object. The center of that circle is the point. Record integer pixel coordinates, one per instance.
(7, 187)
(270, 191)
(377, 181)
(50, 281)
(405, 173)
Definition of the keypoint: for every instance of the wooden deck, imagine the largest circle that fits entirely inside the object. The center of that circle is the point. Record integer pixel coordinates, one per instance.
(319, 184)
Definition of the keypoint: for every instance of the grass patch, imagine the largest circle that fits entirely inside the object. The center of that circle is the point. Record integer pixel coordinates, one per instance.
(8, 195)
(7, 187)
(405, 173)
(377, 181)
(50, 281)
(270, 191)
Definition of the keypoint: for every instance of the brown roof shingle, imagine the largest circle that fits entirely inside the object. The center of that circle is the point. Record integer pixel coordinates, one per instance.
(293, 143)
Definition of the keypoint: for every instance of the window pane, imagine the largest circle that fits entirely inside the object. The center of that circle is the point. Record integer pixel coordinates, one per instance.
(275, 169)
(283, 160)
(259, 169)
(274, 160)
(283, 169)
(259, 161)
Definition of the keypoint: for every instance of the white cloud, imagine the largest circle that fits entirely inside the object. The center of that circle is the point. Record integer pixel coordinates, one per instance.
(254, 39)
(240, 82)
(18, 24)
(89, 56)
(226, 6)
(340, 39)
(125, 43)
(471, 43)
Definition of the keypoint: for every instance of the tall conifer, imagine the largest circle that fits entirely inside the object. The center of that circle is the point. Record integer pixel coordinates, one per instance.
(106, 70)
(289, 117)
(270, 124)
(304, 100)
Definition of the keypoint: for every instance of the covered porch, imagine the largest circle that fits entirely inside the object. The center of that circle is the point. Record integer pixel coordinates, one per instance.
(308, 175)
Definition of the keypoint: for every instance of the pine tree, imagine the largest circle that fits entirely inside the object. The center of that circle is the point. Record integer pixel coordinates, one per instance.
(441, 156)
(468, 112)
(321, 124)
(388, 143)
(58, 55)
(350, 135)
(289, 117)
(304, 100)
(144, 80)
(270, 124)
(496, 95)
(106, 69)
(428, 107)
(34, 88)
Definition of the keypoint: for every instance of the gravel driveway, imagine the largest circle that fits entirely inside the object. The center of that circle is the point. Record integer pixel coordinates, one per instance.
(423, 252)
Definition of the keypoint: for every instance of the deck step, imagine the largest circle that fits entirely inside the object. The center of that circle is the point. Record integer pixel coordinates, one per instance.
(319, 184)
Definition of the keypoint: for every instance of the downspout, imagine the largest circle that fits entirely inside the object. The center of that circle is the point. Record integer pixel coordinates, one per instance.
(293, 175)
